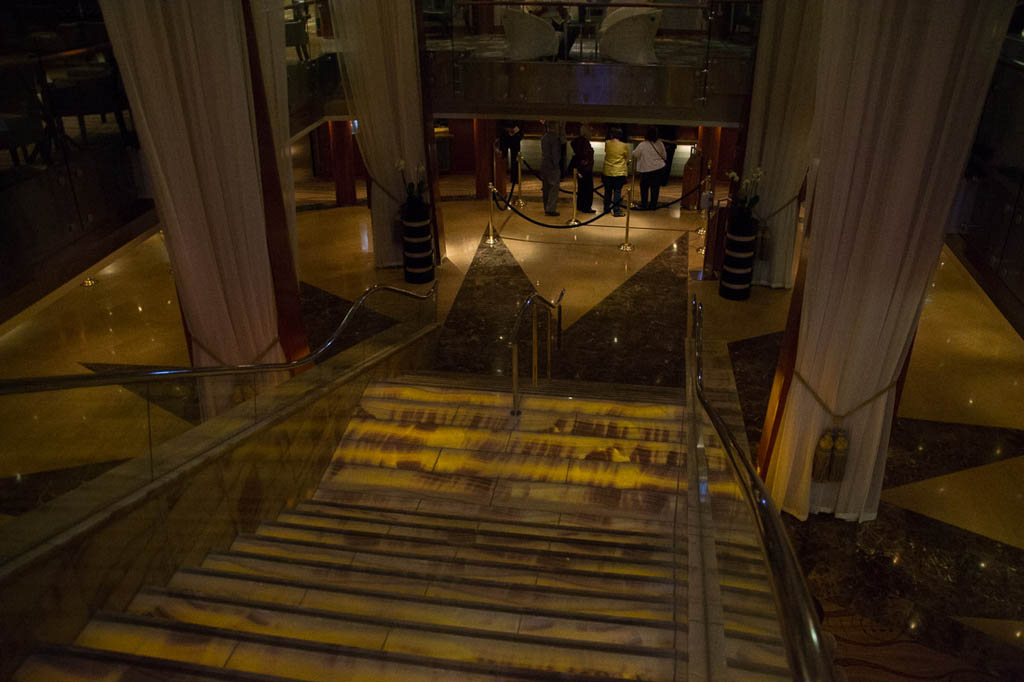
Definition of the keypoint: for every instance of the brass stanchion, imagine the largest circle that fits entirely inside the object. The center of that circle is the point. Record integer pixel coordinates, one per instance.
(632, 185)
(519, 180)
(534, 369)
(575, 188)
(626, 245)
(491, 241)
(495, 154)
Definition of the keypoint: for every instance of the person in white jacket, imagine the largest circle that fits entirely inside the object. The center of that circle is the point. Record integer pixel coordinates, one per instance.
(649, 157)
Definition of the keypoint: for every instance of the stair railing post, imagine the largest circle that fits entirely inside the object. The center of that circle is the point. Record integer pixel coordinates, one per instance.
(550, 334)
(534, 369)
(491, 241)
(626, 245)
(575, 189)
(559, 326)
(519, 180)
(515, 377)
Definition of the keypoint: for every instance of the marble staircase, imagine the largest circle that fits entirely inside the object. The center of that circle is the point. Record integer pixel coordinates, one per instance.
(450, 540)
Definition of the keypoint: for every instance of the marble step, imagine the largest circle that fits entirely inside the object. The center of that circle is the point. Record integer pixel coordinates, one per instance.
(555, 387)
(296, 658)
(527, 495)
(507, 532)
(587, 623)
(499, 419)
(414, 443)
(489, 573)
(408, 547)
(481, 538)
(459, 642)
(506, 465)
(550, 598)
(603, 524)
(84, 664)
(450, 395)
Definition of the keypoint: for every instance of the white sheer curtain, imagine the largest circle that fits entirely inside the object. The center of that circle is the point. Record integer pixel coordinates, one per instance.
(380, 54)
(185, 68)
(781, 116)
(268, 21)
(900, 89)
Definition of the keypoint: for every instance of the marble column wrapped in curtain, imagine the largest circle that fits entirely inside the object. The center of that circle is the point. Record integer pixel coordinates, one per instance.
(185, 69)
(380, 59)
(900, 89)
(781, 115)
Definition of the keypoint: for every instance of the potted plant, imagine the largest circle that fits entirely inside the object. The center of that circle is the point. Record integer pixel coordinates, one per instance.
(740, 239)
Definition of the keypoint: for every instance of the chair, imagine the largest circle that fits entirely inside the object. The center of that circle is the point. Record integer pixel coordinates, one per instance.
(529, 36)
(295, 36)
(627, 35)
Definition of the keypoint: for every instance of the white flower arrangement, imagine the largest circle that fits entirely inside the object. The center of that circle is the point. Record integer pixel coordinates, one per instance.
(747, 196)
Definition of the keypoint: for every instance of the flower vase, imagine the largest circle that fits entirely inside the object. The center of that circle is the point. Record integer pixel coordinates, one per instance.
(740, 249)
(417, 241)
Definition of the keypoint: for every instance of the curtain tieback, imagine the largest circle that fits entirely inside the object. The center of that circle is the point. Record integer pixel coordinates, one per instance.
(206, 349)
(829, 463)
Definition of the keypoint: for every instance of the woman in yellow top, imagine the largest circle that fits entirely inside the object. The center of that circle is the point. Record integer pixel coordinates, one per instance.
(616, 155)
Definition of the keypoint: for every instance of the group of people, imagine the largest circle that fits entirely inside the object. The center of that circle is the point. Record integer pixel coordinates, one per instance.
(650, 158)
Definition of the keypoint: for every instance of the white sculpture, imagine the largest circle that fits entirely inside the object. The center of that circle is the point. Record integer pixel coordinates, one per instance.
(529, 36)
(627, 35)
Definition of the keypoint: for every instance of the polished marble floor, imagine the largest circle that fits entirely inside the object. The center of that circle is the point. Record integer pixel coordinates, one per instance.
(948, 544)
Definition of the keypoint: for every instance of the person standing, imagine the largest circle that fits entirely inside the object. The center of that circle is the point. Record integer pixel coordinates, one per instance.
(649, 156)
(616, 155)
(550, 151)
(583, 159)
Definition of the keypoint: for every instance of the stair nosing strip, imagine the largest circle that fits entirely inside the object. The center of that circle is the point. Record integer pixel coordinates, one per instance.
(344, 650)
(496, 533)
(497, 548)
(753, 667)
(459, 560)
(480, 582)
(658, 652)
(458, 517)
(439, 382)
(138, 660)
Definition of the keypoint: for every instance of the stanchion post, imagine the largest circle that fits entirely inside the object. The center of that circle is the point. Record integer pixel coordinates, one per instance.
(534, 368)
(575, 189)
(519, 180)
(491, 241)
(626, 245)
(632, 187)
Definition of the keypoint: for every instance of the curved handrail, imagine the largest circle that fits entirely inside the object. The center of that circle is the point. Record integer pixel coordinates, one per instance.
(513, 340)
(60, 382)
(801, 631)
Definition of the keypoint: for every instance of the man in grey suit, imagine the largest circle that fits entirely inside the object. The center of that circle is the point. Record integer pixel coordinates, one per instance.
(550, 153)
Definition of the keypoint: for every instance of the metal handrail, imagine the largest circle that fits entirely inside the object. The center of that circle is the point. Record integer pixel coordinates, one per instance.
(549, 306)
(56, 383)
(801, 631)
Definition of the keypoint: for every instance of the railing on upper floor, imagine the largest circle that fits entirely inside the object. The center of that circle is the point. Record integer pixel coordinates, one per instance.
(798, 620)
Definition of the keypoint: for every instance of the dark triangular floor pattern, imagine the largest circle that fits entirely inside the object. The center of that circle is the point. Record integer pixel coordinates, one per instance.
(637, 334)
(20, 494)
(178, 396)
(475, 334)
(322, 312)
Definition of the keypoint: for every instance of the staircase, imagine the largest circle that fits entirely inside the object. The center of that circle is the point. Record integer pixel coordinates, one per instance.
(449, 540)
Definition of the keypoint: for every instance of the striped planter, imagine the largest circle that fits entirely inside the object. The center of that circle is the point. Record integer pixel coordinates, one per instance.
(417, 243)
(738, 262)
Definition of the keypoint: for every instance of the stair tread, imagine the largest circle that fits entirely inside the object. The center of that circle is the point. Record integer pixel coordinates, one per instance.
(605, 523)
(469, 537)
(534, 495)
(417, 610)
(289, 582)
(69, 663)
(616, 584)
(299, 659)
(484, 527)
(501, 419)
(416, 440)
(457, 641)
(522, 558)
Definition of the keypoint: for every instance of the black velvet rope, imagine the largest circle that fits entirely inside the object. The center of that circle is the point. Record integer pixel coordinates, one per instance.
(505, 202)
